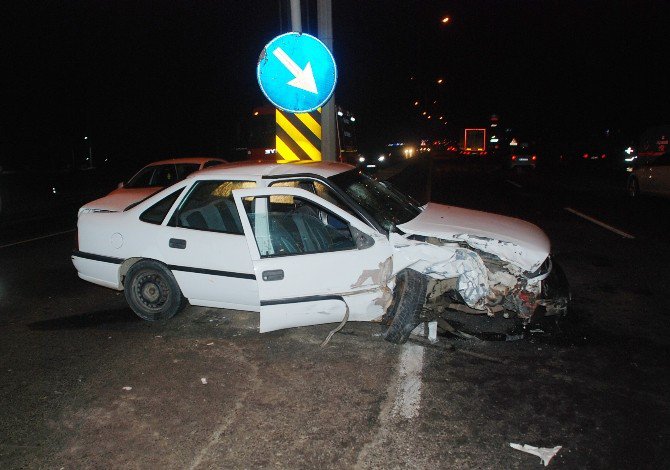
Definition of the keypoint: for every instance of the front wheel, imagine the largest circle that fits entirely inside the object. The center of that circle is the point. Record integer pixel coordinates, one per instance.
(403, 315)
(152, 291)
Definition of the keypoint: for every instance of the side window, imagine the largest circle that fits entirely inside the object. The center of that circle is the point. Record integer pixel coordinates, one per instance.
(142, 179)
(212, 163)
(156, 213)
(165, 176)
(287, 225)
(210, 206)
(329, 195)
(185, 169)
(317, 188)
(288, 184)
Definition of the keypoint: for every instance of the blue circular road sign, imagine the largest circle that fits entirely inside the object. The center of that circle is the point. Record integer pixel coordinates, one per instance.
(296, 72)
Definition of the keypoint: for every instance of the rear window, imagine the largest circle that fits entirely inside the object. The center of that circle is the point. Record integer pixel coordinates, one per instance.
(161, 175)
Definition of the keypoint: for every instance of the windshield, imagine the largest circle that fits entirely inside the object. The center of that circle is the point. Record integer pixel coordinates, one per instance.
(161, 175)
(388, 206)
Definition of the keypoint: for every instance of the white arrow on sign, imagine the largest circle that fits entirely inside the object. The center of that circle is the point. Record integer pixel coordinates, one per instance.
(304, 78)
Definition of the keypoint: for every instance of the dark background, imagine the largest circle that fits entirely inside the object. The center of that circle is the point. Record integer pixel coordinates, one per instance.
(151, 79)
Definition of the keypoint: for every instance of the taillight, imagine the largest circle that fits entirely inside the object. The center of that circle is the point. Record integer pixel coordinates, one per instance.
(513, 157)
(603, 156)
(534, 157)
(586, 155)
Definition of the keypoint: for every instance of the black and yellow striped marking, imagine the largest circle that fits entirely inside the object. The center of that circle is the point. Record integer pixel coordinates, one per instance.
(298, 137)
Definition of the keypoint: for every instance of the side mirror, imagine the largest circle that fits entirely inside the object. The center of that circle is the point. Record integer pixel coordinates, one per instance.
(120, 185)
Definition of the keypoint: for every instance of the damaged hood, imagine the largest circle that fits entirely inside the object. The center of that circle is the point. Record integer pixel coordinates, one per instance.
(119, 199)
(512, 240)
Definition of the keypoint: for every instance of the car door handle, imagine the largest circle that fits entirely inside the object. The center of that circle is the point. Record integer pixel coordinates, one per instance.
(273, 275)
(177, 243)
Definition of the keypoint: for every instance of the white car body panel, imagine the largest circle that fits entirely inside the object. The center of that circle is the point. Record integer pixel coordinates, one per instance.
(512, 240)
(215, 252)
(97, 272)
(208, 253)
(360, 277)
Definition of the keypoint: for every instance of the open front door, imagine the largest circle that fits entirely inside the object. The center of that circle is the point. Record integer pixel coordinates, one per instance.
(312, 260)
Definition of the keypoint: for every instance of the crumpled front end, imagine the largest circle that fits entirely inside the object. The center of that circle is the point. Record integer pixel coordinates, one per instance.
(480, 292)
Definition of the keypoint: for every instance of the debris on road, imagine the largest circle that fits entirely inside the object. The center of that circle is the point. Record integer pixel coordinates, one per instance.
(127, 389)
(545, 453)
(203, 380)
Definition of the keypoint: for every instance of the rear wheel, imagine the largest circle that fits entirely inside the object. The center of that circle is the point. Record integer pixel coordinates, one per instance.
(404, 314)
(152, 291)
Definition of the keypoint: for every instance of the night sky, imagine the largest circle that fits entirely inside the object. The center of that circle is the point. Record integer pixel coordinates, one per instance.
(151, 79)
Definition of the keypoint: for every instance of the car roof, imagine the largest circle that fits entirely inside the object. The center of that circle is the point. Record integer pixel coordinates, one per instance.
(256, 170)
(198, 160)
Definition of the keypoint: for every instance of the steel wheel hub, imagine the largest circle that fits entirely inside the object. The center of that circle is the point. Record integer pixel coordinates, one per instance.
(152, 290)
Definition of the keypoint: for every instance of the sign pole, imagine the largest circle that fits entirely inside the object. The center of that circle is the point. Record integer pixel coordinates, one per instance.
(296, 16)
(328, 129)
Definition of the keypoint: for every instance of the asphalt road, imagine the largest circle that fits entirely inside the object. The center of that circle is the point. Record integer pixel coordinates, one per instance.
(84, 383)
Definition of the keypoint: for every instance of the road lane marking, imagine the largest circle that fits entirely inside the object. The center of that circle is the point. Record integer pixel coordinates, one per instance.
(408, 400)
(37, 238)
(514, 183)
(598, 222)
(402, 401)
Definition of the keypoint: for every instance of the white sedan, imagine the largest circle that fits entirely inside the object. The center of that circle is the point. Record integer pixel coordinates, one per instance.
(319, 243)
(153, 177)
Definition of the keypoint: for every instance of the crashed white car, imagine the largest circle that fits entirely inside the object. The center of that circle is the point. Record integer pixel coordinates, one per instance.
(320, 243)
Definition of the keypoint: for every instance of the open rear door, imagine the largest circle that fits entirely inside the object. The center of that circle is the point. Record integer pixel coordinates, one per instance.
(312, 260)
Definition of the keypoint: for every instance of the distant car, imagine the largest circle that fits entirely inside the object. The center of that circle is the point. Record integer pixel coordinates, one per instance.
(593, 156)
(521, 156)
(589, 157)
(319, 243)
(651, 176)
(372, 160)
(150, 179)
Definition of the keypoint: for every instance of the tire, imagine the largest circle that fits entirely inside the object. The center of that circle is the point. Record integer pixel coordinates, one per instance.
(152, 291)
(404, 313)
(633, 187)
